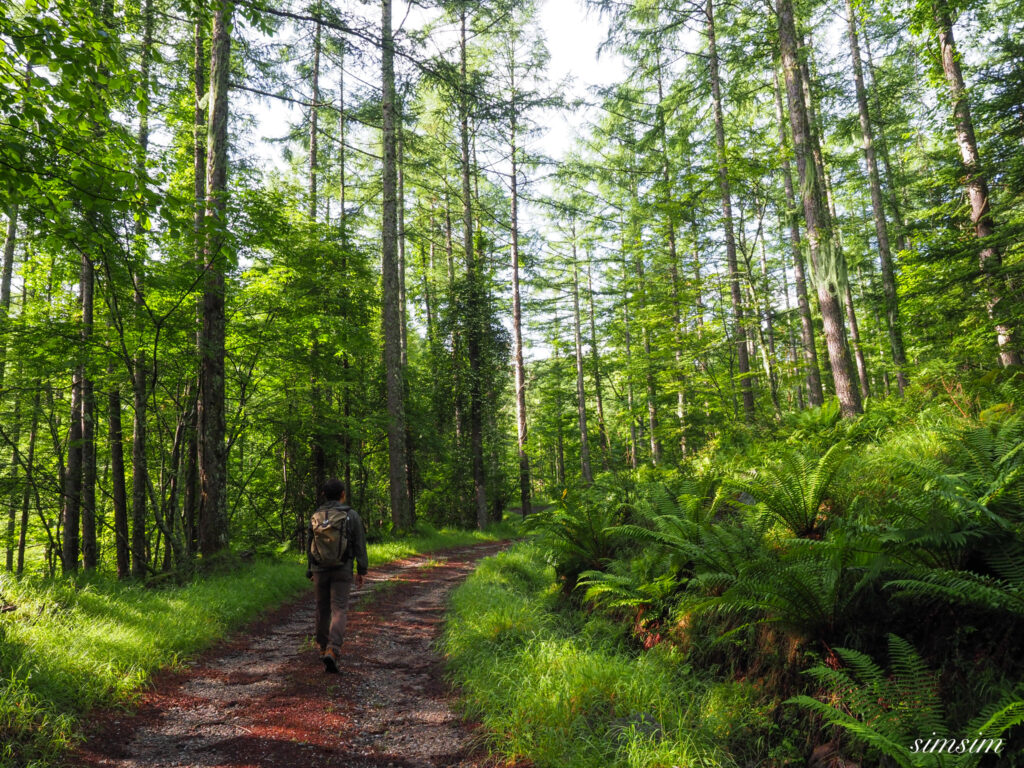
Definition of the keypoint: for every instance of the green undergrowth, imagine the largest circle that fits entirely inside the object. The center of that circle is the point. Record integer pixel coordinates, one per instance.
(567, 690)
(72, 645)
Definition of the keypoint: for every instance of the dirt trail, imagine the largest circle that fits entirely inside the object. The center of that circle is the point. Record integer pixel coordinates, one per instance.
(262, 699)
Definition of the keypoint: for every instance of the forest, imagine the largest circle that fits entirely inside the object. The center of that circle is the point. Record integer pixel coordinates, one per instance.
(745, 359)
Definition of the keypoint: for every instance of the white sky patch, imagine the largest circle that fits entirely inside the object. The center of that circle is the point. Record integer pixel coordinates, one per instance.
(573, 35)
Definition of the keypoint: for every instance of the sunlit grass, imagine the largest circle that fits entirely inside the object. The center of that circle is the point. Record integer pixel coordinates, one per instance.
(70, 646)
(429, 539)
(562, 690)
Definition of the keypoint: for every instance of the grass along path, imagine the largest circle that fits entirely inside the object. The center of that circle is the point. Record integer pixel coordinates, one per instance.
(563, 690)
(67, 647)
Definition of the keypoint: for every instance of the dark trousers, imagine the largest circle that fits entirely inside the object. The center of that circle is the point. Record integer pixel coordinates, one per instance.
(332, 590)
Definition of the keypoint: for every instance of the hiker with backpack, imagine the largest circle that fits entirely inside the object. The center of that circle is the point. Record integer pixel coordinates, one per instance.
(336, 539)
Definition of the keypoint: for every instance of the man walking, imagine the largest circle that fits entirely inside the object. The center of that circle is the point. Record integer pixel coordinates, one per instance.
(336, 539)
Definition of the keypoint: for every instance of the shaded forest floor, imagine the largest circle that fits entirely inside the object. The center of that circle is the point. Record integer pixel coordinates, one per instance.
(262, 699)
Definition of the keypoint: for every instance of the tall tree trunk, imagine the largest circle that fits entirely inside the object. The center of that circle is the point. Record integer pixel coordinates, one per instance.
(213, 532)
(652, 392)
(477, 304)
(29, 479)
(342, 137)
(673, 259)
(140, 369)
(581, 394)
(71, 509)
(455, 334)
(346, 393)
(768, 345)
(819, 236)
(317, 449)
(517, 317)
(118, 488)
(6, 275)
(403, 301)
(878, 207)
(403, 304)
(559, 409)
(892, 197)
(677, 337)
(88, 451)
(742, 357)
(602, 430)
(792, 339)
(990, 258)
(815, 137)
(190, 503)
(392, 312)
(858, 350)
(634, 450)
(14, 499)
(314, 125)
(426, 267)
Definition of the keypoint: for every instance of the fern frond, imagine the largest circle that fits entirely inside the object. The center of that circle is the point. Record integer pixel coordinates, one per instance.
(965, 588)
(994, 722)
(858, 729)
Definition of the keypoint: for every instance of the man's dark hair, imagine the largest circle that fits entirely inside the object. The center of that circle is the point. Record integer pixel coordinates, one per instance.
(333, 489)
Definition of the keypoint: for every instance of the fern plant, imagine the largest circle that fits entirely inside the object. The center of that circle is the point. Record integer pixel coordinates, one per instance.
(810, 590)
(793, 489)
(668, 532)
(1003, 591)
(576, 536)
(898, 718)
(965, 543)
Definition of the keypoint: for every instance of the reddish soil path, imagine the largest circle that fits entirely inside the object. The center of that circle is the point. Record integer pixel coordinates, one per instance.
(262, 699)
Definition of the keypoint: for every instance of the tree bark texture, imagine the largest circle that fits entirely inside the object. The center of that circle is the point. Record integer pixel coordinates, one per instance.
(213, 533)
(990, 258)
(88, 450)
(29, 480)
(742, 356)
(595, 357)
(392, 314)
(476, 300)
(118, 487)
(816, 216)
(6, 275)
(517, 321)
(673, 258)
(892, 318)
(314, 124)
(140, 369)
(71, 508)
(581, 394)
(835, 242)
(190, 502)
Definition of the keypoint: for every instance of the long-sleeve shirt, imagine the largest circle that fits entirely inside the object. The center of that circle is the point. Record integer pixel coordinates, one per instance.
(356, 550)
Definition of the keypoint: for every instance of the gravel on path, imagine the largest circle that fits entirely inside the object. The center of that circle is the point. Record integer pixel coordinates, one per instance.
(262, 699)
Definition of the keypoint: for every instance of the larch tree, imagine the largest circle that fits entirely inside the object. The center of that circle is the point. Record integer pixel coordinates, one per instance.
(826, 262)
(392, 312)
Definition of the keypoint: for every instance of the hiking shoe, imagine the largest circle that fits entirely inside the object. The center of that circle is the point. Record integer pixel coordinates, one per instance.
(330, 660)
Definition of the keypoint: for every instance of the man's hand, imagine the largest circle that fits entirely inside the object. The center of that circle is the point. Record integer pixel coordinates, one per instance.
(359, 580)
(309, 575)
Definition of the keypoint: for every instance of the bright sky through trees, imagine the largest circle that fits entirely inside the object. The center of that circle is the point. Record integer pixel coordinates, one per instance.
(573, 35)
